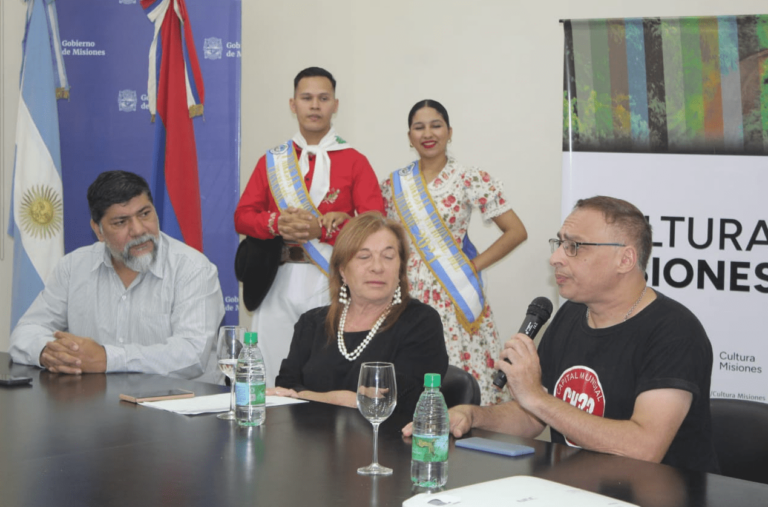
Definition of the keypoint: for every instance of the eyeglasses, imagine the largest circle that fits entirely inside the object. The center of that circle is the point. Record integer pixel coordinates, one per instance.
(572, 247)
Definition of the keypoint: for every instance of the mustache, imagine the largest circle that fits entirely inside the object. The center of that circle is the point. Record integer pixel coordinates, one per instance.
(138, 241)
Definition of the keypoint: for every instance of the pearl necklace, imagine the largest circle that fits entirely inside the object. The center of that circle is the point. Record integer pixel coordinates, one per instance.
(359, 350)
(629, 313)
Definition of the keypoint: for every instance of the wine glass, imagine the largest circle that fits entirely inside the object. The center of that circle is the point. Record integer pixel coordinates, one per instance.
(376, 400)
(231, 340)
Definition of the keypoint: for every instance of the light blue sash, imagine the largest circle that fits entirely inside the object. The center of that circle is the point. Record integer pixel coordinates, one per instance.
(288, 189)
(437, 247)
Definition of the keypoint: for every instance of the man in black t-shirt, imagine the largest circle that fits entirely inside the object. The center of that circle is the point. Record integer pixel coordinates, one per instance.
(624, 369)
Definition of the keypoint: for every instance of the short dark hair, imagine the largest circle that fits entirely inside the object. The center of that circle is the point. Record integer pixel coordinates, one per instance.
(629, 220)
(313, 72)
(429, 103)
(114, 187)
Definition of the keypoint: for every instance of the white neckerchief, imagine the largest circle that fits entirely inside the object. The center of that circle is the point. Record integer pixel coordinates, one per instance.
(321, 180)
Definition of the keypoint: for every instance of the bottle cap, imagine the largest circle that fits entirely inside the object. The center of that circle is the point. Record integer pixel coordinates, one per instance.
(251, 338)
(431, 380)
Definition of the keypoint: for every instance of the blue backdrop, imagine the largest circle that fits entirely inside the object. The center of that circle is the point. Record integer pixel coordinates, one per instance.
(106, 124)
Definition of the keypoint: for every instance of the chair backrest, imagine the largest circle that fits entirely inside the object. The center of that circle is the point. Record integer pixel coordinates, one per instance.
(740, 432)
(460, 388)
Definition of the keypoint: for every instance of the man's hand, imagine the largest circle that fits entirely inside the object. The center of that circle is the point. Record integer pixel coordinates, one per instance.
(460, 421)
(298, 225)
(647, 435)
(73, 355)
(293, 224)
(524, 374)
(461, 418)
(58, 357)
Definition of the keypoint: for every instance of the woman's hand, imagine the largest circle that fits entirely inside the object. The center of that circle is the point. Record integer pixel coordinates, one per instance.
(342, 398)
(282, 391)
(372, 392)
(514, 233)
(332, 221)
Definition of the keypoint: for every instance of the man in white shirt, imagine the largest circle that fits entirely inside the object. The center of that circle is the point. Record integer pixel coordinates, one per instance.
(138, 300)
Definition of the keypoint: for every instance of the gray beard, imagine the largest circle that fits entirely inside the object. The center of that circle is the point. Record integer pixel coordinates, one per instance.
(141, 263)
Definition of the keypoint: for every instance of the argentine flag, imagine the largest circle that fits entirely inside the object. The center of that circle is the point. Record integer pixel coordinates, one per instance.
(37, 217)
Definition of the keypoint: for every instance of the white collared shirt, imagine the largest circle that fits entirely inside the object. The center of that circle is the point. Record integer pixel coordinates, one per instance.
(165, 322)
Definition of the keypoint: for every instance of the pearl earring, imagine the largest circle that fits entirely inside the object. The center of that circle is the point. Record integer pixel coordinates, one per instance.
(397, 299)
(343, 294)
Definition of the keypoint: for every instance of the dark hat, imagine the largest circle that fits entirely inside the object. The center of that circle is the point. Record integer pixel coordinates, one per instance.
(256, 264)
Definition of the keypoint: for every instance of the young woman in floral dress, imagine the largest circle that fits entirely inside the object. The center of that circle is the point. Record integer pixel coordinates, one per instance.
(454, 190)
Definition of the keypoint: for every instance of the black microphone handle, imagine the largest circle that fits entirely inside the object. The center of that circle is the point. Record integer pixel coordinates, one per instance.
(530, 328)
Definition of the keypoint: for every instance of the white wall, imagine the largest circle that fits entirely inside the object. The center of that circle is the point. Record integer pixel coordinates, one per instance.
(495, 64)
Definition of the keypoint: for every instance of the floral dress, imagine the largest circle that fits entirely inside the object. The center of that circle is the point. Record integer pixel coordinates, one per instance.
(455, 192)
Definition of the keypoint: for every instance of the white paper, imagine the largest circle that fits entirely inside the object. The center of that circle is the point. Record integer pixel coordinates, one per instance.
(210, 404)
(531, 491)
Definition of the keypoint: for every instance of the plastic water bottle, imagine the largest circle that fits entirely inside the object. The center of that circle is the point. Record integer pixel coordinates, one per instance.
(250, 384)
(429, 457)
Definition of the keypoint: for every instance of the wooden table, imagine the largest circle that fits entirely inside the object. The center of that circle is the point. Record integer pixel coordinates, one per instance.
(69, 441)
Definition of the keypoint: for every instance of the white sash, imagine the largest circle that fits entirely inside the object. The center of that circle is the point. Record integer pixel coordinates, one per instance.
(437, 247)
(288, 189)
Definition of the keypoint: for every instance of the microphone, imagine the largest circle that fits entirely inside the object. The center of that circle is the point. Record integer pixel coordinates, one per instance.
(538, 313)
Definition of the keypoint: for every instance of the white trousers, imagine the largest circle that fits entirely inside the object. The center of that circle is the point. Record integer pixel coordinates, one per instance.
(297, 288)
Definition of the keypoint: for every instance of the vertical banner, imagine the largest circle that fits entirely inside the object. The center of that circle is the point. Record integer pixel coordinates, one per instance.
(176, 95)
(37, 211)
(107, 123)
(671, 114)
